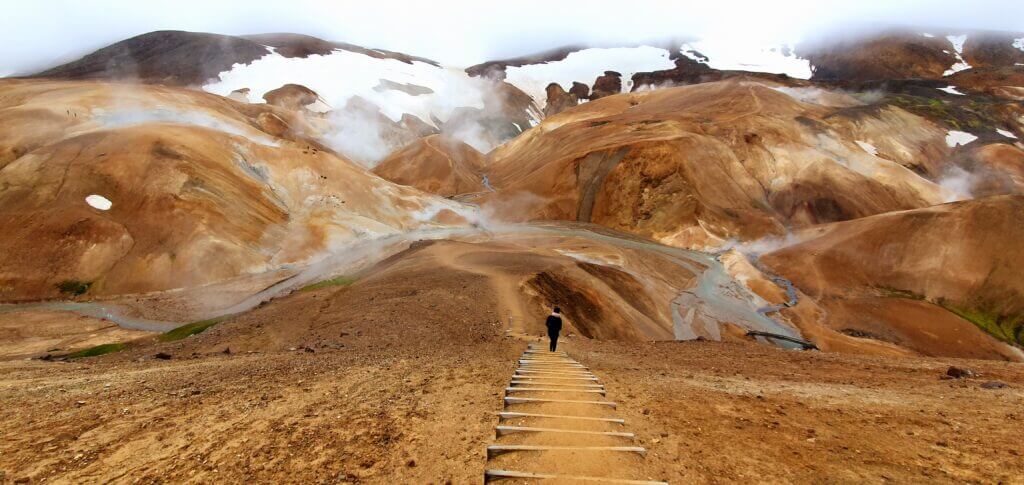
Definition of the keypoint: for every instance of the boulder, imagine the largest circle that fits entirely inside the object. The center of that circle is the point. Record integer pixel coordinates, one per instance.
(993, 385)
(606, 85)
(958, 373)
(558, 100)
(291, 96)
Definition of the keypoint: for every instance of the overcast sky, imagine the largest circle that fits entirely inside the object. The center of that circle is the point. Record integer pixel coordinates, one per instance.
(39, 33)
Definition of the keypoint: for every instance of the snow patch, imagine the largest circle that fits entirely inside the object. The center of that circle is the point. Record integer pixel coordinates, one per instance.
(867, 147)
(740, 55)
(951, 90)
(1019, 43)
(1006, 133)
(585, 66)
(342, 74)
(958, 46)
(926, 34)
(956, 138)
(99, 202)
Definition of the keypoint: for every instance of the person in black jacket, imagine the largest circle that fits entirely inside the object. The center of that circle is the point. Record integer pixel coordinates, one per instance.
(554, 324)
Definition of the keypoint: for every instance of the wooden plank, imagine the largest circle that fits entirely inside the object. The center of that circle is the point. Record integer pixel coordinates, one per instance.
(558, 384)
(493, 450)
(554, 366)
(553, 373)
(503, 430)
(538, 400)
(551, 389)
(553, 378)
(551, 362)
(512, 415)
(548, 361)
(500, 474)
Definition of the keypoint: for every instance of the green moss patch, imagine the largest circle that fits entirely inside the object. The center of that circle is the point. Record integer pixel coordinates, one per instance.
(74, 287)
(1009, 329)
(97, 350)
(339, 281)
(190, 329)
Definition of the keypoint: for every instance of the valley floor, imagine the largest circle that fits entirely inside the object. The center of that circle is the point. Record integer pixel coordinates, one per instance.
(397, 379)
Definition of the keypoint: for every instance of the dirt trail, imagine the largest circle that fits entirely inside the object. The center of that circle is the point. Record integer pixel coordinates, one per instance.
(505, 285)
(557, 423)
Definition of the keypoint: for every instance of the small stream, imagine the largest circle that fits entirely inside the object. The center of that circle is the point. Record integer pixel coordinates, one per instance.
(108, 311)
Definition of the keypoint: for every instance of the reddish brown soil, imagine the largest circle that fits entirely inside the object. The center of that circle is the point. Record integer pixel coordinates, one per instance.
(405, 368)
(435, 164)
(717, 412)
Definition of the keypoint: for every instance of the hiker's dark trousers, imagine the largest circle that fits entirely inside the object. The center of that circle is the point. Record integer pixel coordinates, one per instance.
(554, 340)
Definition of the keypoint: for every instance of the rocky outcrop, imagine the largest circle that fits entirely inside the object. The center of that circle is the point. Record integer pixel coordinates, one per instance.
(407, 88)
(687, 71)
(606, 85)
(240, 95)
(580, 90)
(291, 96)
(558, 100)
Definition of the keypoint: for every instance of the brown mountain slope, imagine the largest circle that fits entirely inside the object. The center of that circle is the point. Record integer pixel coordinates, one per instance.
(199, 193)
(696, 165)
(166, 57)
(435, 164)
(993, 49)
(180, 58)
(895, 55)
(965, 257)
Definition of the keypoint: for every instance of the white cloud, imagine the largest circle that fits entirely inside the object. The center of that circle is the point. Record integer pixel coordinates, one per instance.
(464, 32)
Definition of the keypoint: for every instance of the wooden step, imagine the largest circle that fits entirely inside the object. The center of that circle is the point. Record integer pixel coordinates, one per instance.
(494, 450)
(552, 389)
(552, 378)
(538, 400)
(553, 368)
(557, 384)
(548, 362)
(555, 372)
(513, 415)
(503, 430)
(553, 364)
(501, 474)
